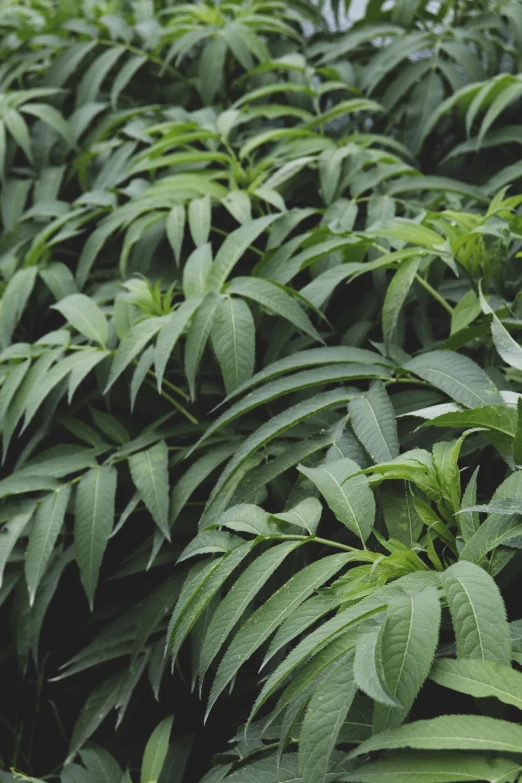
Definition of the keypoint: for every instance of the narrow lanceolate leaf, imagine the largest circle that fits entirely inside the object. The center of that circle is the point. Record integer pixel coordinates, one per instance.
(507, 347)
(231, 608)
(306, 515)
(434, 768)
(206, 593)
(350, 499)
(400, 515)
(150, 474)
(197, 338)
(233, 339)
(323, 720)
(46, 527)
(94, 516)
(456, 375)
(396, 296)
(478, 613)
(373, 420)
(278, 424)
(132, 344)
(96, 708)
(409, 641)
(234, 246)
(468, 521)
(156, 752)
(450, 732)
(268, 617)
(85, 316)
(498, 418)
(11, 532)
(368, 669)
(170, 333)
(480, 679)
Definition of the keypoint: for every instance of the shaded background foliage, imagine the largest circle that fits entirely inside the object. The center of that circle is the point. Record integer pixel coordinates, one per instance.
(187, 191)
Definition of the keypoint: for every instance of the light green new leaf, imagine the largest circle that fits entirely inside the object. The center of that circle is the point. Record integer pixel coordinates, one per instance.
(150, 474)
(480, 679)
(449, 732)
(469, 520)
(456, 375)
(350, 499)
(268, 617)
(232, 607)
(408, 645)
(434, 768)
(94, 516)
(478, 613)
(373, 420)
(46, 526)
(156, 752)
(233, 340)
(323, 720)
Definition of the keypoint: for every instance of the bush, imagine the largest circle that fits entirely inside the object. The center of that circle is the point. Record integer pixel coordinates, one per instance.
(260, 391)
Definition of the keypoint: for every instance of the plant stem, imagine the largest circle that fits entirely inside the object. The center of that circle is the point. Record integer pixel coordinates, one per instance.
(434, 293)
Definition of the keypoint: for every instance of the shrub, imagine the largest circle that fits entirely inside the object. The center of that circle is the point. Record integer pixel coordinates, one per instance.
(260, 390)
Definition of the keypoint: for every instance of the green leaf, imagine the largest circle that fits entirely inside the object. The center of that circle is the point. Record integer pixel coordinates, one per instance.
(11, 532)
(456, 375)
(319, 376)
(396, 296)
(233, 339)
(277, 425)
(234, 246)
(232, 607)
(268, 617)
(132, 344)
(408, 645)
(506, 346)
(480, 679)
(373, 420)
(434, 768)
(478, 613)
(149, 471)
(276, 300)
(368, 669)
(175, 227)
(46, 526)
(498, 418)
(96, 708)
(450, 732)
(197, 337)
(196, 269)
(469, 520)
(170, 333)
(199, 218)
(305, 514)
(350, 499)
(94, 516)
(323, 720)
(85, 316)
(156, 752)
(14, 300)
(101, 764)
(400, 515)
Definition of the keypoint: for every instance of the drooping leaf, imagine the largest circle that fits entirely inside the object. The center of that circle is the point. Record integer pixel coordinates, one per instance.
(149, 471)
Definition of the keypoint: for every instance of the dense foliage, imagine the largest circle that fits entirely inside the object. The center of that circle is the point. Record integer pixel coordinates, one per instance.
(260, 391)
